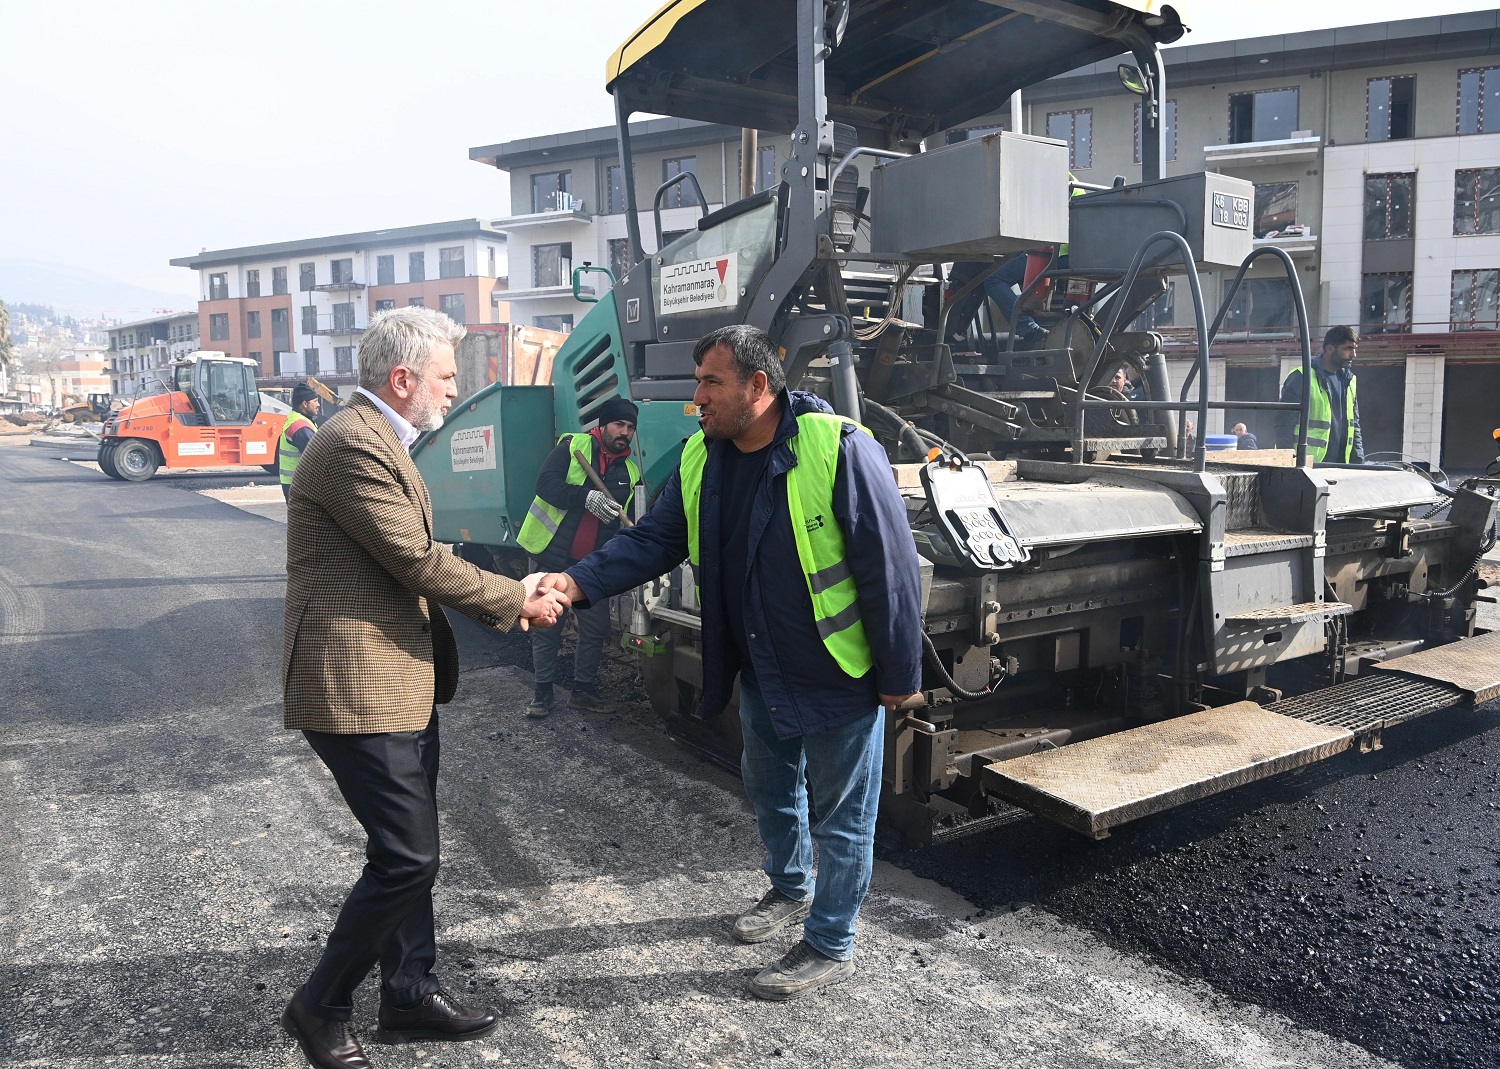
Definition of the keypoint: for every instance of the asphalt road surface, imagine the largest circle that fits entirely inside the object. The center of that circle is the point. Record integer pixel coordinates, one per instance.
(170, 859)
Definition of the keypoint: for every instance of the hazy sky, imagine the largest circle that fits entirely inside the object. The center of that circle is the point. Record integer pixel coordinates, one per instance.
(136, 132)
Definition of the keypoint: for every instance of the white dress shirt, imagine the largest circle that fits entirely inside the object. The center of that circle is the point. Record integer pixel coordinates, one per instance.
(404, 430)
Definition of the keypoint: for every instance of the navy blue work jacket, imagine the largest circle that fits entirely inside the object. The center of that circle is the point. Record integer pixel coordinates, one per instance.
(803, 686)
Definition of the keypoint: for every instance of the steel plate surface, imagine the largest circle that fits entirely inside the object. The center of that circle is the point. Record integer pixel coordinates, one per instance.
(1095, 785)
(1471, 664)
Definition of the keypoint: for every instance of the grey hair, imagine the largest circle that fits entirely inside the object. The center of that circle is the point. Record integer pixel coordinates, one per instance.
(403, 337)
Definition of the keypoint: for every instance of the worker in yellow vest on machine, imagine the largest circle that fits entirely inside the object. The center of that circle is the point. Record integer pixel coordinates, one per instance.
(570, 518)
(296, 433)
(1333, 408)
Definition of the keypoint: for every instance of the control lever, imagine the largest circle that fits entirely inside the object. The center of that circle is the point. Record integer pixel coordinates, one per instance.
(961, 500)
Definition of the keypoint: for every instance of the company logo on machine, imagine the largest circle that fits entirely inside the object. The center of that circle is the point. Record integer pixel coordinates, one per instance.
(473, 449)
(699, 284)
(195, 449)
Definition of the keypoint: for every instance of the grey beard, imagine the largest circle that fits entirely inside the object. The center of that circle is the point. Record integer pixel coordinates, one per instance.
(426, 415)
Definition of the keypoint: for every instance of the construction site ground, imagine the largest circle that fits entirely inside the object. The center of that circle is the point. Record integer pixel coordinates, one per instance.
(170, 860)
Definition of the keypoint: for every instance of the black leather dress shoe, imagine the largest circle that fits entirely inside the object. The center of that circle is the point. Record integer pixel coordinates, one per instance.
(328, 1044)
(438, 1016)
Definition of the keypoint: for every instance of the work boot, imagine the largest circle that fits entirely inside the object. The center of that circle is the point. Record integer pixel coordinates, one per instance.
(774, 910)
(587, 700)
(801, 970)
(541, 703)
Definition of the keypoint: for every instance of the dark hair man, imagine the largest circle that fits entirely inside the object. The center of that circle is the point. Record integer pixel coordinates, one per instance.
(569, 519)
(775, 485)
(296, 433)
(368, 657)
(1333, 407)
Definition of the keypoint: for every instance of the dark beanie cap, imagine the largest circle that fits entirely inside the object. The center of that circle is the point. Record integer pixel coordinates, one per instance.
(617, 408)
(302, 393)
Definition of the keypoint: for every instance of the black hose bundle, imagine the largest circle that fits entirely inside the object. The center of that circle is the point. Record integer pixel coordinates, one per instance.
(930, 656)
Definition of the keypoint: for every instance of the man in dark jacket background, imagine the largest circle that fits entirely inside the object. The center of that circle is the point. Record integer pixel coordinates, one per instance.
(569, 519)
(820, 661)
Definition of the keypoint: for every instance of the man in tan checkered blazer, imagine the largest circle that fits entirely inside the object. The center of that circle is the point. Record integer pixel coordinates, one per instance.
(368, 657)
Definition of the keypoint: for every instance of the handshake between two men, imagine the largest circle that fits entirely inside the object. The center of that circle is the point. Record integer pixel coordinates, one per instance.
(546, 600)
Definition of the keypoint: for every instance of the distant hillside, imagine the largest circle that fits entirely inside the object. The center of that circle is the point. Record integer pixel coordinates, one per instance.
(78, 292)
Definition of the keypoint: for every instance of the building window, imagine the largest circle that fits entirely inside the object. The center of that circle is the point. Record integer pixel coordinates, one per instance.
(1476, 300)
(1390, 109)
(252, 324)
(416, 302)
(452, 306)
(343, 318)
(384, 306)
(416, 267)
(255, 357)
(675, 197)
(1261, 306)
(1169, 120)
(278, 280)
(1077, 129)
(342, 271)
(1267, 115)
(451, 262)
(343, 359)
(310, 361)
(218, 287)
(385, 270)
(619, 257)
(309, 319)
(1476, 201)
(1275, 207)
(218, 327)
(490, 249)
(563, 324)
(614, 189)
(1479, 100)
(1385, 305)
(1388, 206)
(307, 277)
(552, 191)
(252, 283)
(551, 265)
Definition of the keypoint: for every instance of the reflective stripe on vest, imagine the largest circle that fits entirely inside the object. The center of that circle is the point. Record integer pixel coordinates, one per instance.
(1320, 419)
(820, 541)
(288, 454)
(544, 518)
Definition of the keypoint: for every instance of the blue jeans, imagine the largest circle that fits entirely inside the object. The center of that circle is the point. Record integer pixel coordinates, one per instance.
(999, 288)
(593, 632)
(842, 770)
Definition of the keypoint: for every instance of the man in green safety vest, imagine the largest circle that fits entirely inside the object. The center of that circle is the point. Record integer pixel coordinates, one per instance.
(1333, 407)
(296, 433)
(810, 595)
(568, 520)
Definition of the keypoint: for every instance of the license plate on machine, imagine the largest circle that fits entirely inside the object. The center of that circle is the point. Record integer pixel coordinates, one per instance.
(1233, 212)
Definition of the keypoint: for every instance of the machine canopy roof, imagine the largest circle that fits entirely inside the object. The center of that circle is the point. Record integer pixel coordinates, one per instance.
(905, 68)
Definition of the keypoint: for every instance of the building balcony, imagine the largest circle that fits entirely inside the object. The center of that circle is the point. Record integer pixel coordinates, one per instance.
(547, 218)
(542, 293)
(1305, 146)
(328, 287)
(1292, 244)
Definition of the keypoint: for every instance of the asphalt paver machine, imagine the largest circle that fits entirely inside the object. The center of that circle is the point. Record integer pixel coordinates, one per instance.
(1116, 620)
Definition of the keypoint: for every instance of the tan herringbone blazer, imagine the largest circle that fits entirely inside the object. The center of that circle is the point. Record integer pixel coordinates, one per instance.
(367, 649)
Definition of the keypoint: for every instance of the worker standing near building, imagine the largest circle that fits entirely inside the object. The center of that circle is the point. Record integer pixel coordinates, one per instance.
(298, 431)
(810, 590)
(569, 519)
(1333, 407)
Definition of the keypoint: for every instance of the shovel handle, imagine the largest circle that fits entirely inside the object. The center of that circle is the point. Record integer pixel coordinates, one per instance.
(588, 468)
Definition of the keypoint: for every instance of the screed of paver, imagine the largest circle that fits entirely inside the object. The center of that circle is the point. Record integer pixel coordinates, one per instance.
(181, 871)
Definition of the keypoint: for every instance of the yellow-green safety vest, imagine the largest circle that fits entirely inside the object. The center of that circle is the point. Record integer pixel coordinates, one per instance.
(820, 540)
(1320, 419)
(544, 518)
(288, 454)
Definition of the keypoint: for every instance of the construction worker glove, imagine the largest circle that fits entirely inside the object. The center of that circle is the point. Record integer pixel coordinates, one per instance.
(602, 505)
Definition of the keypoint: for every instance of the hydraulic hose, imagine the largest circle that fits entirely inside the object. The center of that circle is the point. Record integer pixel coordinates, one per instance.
(933, 661)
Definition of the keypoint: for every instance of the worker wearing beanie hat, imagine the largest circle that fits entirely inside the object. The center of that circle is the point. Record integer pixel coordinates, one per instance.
(296, 433)
(570, 518)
